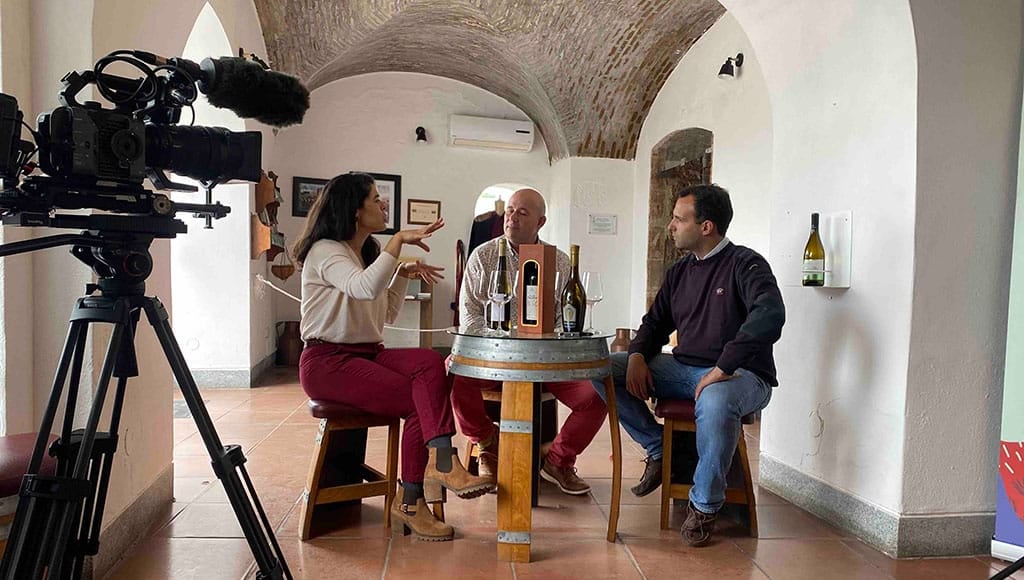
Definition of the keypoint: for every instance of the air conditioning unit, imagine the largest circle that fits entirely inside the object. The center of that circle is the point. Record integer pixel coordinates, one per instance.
(488, 133)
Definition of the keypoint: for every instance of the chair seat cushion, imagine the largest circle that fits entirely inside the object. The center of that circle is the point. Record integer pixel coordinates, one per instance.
(15, 454)
(334, 410)
(684, 410)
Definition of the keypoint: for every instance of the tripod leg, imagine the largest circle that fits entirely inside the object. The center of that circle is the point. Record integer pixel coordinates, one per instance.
(69, 513)
(21, 555)
(227, 461)
(1009, 570)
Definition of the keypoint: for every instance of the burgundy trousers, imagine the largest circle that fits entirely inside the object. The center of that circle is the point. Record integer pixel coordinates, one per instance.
(402, 382)
(587, 415)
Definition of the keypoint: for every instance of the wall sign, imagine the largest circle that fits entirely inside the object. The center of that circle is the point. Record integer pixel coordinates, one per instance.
(601, 224)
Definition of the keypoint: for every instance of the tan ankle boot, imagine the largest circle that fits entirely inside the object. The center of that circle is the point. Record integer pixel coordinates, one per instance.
(458, 479)
(487, 458)
(420, 521)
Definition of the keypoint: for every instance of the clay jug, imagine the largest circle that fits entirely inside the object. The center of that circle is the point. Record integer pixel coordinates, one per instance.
(621, 341)
(289, 344)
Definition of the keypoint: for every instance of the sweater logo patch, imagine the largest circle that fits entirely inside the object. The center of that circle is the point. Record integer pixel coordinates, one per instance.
(720, 291)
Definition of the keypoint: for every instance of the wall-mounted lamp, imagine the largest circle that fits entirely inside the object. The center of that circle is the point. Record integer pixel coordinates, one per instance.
(421, 135)
(728, 71)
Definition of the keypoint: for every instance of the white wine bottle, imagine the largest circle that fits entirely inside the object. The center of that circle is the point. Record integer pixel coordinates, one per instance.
(501, 292)
(814, 257)
(574, 296)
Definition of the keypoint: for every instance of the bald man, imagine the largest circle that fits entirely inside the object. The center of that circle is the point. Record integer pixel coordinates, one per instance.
(524, 216)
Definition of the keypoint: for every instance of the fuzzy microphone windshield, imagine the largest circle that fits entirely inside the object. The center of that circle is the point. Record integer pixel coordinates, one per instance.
(251, 92)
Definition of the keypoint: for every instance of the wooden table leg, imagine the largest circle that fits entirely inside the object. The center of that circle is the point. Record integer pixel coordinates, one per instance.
(515, 478)
(613, 427)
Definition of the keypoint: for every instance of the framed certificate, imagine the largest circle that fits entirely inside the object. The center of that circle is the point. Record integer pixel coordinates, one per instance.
(423, 212)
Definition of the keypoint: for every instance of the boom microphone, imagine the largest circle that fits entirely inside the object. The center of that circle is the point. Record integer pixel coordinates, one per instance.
(244, 87)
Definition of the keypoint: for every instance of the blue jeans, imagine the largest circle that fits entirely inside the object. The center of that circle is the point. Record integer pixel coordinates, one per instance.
(718, 413)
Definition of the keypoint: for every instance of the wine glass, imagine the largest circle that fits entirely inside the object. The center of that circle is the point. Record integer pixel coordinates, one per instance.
(499, 293)
(595, 293)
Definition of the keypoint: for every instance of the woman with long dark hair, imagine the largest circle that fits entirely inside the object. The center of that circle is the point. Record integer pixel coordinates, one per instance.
(350, 289)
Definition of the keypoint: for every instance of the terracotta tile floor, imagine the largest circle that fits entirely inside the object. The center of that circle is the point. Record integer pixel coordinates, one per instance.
(199, 538)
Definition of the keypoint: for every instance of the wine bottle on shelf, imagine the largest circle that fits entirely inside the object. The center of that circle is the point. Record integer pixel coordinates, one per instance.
(574, 296)
(531, 296)
(500, 291)
(814, 257)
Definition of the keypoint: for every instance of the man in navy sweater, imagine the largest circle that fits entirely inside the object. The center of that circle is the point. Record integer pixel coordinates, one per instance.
(725, 305)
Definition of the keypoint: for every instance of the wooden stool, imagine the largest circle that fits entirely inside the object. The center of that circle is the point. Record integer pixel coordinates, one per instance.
(338, 472)
(545, 422)
(15, 455)
(679, 415)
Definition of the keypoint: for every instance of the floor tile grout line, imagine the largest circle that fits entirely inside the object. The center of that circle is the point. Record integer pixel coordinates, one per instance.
(387, 557)
(752, 559)
(863, 558)
(632, 558)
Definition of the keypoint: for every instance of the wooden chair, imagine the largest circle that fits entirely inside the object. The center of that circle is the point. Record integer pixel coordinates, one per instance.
(679, 415)
(338, 472)
(545, 422)
(15, 455)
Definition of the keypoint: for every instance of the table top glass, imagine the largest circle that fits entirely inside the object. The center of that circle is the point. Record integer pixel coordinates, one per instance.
(481, 331)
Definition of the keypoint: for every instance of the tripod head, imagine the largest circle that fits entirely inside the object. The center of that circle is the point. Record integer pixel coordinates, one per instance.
(116, 247)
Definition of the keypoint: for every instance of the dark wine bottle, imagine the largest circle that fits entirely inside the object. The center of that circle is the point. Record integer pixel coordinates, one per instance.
(531, 296)
(574, 296)
(501, 292)
(814, 257)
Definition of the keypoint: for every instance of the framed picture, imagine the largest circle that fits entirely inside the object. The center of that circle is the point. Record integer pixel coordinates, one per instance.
(423, 212)
(304, 193)
(390, 189)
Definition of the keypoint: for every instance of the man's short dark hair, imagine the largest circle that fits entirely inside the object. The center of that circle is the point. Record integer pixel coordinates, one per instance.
(710, 202)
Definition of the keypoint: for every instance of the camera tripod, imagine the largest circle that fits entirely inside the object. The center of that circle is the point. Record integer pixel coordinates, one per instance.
(58, 519)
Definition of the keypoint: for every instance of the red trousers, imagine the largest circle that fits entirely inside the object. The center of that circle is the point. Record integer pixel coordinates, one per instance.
(587, 415)
(403, 382)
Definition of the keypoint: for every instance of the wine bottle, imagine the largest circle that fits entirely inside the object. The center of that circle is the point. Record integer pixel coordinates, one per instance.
(814, 257)
(574, 296)
(501, 292)
(531, 295)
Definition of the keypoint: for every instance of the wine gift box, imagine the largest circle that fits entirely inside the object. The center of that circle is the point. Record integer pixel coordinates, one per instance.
(540, 260)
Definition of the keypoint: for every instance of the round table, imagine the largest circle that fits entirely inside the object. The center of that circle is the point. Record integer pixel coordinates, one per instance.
(522, 362)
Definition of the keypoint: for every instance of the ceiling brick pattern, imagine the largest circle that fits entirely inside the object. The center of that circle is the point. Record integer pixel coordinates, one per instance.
(586, 71)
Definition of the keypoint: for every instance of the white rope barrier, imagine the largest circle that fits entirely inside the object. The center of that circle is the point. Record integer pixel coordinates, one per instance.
(297, 299)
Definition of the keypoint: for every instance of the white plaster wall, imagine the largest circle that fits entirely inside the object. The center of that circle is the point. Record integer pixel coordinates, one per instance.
(559, 201)
(967, 141)
(16, 310)
(210, 267)
(738, 113)
(366, 123)
(842, 82)
(604, 186)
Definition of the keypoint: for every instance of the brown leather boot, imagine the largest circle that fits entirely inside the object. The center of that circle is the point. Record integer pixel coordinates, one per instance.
(457, 479)
(487, 460)
(420, 521)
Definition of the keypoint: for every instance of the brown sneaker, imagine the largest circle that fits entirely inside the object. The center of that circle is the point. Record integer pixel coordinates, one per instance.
(698, 526)
(565, 478)
(421, 522)
(457, 479)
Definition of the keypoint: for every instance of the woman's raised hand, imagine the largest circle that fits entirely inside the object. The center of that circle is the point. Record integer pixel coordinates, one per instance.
(415, 237)
(421, 270)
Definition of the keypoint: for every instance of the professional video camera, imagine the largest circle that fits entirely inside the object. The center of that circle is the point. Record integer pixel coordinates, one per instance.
(97, 158)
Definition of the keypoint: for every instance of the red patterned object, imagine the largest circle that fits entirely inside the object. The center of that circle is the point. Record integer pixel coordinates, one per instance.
(1011, 471)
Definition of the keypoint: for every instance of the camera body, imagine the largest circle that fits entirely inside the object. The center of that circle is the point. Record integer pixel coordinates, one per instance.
(88, 143)
(97, 157)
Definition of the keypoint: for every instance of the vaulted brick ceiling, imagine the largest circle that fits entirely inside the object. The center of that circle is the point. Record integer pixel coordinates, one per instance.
(586, 71)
